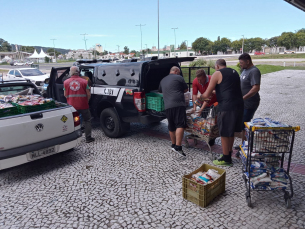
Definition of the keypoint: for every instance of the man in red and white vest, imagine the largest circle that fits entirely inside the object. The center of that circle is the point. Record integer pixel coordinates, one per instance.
(77, 92)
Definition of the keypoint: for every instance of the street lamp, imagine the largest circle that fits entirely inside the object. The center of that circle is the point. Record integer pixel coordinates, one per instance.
(146, 49)
(158, 30)
(54, 50)
(242, 49)
(187, 47)
(175, 39)
(85, 40)
(119, 50)
(141, 34)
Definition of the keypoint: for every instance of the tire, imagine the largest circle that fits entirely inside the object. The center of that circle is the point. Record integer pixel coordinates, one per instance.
(111, 123)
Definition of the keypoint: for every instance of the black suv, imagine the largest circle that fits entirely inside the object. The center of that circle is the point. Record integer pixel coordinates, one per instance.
(118, 90)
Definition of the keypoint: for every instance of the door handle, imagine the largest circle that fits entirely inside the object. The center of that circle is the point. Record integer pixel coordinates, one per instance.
(36, 116)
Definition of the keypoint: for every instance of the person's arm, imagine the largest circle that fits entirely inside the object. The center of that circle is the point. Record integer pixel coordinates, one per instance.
(185, 87)
(88, 92)
(195, 93)
(65, 93)
(160, 88)
(215, 79)
(255, 88)
(255, 80)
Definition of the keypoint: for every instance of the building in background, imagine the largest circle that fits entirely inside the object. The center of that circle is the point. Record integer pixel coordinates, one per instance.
(99, 48)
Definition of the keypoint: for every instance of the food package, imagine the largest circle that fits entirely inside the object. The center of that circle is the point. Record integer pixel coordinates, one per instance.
(5, 105)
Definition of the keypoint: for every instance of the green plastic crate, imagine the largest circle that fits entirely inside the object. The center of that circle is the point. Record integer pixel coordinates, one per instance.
(28, 109)
(8, 111)
(154, 101)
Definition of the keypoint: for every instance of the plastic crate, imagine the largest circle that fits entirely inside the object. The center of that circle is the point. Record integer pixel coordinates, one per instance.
(8, 111)
(200, 194)
(28, 109)
(154, 101)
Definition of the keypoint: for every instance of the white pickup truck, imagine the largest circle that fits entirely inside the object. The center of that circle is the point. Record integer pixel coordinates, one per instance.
(31, 136)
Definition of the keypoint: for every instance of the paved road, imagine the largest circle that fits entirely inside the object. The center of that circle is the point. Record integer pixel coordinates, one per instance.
(135, 181)
(45, 68)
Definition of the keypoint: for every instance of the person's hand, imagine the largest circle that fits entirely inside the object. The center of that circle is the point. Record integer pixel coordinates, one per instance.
(213, 92)
(198, 96)
(198, 113)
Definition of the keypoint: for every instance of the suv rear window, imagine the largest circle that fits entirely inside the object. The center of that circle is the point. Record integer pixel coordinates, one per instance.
(119, 75)
(9, 90)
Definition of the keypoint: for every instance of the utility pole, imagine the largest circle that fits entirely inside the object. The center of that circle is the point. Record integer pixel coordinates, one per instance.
(84, 34)
(119, 50)
(141, 33)
(242, 49)
(158, 32)
(187, 47)
(175, 40)
(54, 49)
(146, 49)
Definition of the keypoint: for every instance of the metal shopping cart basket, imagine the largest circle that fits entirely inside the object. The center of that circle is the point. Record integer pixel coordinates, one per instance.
(264, 156)
(203, 128)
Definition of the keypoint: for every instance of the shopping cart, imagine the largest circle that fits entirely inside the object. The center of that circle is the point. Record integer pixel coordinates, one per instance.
(269, 146)
(202, 128)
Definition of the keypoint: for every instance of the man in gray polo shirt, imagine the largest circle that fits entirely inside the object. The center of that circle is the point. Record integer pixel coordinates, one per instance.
(173, 88)
(250, 80)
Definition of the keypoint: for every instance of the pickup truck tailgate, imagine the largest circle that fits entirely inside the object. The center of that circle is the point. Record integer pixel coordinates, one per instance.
(35, 127)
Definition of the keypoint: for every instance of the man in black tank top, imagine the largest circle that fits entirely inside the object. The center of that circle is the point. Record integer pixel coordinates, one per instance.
(226, 81)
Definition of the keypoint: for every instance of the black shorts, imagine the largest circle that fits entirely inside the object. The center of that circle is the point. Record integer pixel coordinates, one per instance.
(176, 117)
(230, 122)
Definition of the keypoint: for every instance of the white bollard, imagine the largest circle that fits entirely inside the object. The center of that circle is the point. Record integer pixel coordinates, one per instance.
(294, 64)
(284, 64)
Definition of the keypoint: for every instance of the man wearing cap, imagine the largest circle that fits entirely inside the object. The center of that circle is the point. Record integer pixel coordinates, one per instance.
(77, 92)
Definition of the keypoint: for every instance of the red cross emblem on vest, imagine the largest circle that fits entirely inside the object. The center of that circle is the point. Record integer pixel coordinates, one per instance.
(74, 85)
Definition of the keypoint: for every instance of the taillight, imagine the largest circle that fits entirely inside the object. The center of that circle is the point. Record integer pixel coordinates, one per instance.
(139, 101)
(76, 118)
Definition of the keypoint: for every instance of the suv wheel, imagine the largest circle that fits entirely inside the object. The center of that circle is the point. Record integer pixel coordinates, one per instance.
(111, 123)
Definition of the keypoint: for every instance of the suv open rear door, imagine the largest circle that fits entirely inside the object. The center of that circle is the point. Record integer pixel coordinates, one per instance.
(56, 85)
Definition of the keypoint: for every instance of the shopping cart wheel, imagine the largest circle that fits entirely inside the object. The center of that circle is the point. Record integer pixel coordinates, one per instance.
(195, 142)
(187, 145)
(237, 153)
(288, 203)
(249, 201)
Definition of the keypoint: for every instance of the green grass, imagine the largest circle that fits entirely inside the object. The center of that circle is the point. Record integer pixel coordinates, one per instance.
(264, 68)
(279, 56)
(4, 63)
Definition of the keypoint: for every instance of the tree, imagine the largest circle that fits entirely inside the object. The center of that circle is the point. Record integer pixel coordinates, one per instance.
(126, 50)
(201, 44)
(288, 40)
(272, 42)
(237, 45)
(253, 44)
(51, 52)
(29, 49)
(5, 46)
(225, 44)
(300, 38)
(105, 52)
(46, 59)
(133, 51)
(183, 45)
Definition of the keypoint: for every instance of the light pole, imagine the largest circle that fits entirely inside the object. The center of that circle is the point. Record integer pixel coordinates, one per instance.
(158, 30)
(187, 47)
(175, 39)
(85, 40)
(242, 48)
(141, 33)
(54, 49)
(146, 50)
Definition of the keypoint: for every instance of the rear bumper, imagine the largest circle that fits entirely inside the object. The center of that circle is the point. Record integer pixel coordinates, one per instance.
(147, 119)
(17, 156)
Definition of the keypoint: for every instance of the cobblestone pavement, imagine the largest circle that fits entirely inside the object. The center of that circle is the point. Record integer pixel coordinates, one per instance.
(135, 181)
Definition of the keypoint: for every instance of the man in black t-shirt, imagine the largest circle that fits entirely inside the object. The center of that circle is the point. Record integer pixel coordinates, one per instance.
(226, 81)
(173, 88)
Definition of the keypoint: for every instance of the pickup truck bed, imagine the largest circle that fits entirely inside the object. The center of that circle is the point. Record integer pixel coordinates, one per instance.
(31, 136)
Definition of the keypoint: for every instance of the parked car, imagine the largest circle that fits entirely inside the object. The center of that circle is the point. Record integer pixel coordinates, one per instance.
(289, 52)
(19, 64)
(30, 136)
(33, 74)
(118, 90)
(259, 53)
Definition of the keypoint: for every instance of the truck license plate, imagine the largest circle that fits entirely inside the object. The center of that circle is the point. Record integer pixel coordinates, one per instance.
(41, 153)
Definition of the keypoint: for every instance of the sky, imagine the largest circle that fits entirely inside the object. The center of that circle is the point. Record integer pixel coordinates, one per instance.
(113, 22)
